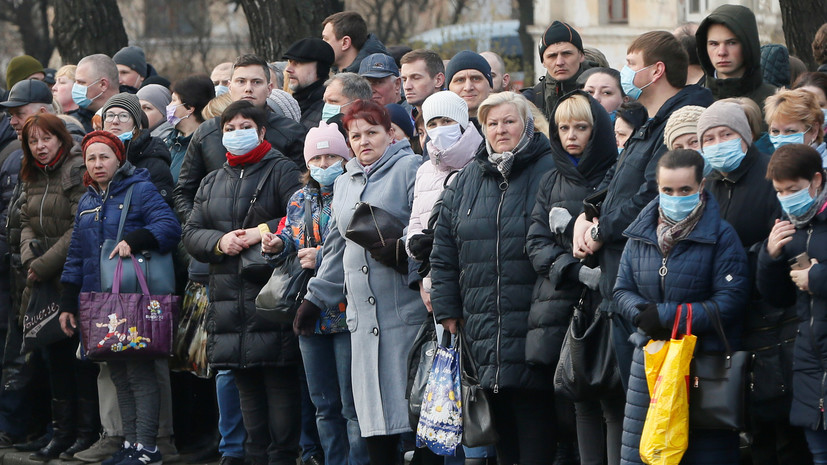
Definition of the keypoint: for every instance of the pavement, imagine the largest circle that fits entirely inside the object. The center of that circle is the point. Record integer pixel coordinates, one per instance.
(13, 457)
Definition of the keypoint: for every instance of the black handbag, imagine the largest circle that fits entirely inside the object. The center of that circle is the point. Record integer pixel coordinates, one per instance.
(280, 298)
(420, 361)
(593, 203)
(718, 384)
(587, 368)
(158, 268)
(371, 225)
(477, 419)
(41, 323)
(254, 267)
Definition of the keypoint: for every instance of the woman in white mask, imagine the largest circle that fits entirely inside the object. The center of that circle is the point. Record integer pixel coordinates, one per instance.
(794, 117)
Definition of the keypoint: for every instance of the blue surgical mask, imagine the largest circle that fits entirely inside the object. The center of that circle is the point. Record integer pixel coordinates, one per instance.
(444, 137)
(79, 95)
(125, 136)
(240, 141)
(797, 203)
(329, 111)
(326, 176)
(619, 150)
(221, 90)
(724, 157)
(627, 81)
(676, 208)
(783, 139)
(613, 116)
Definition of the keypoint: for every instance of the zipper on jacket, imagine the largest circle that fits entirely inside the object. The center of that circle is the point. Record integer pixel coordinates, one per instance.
(821, 420)
(241, 287)
(43, 201)
(662, 272)
(503, 188)
(91, 210)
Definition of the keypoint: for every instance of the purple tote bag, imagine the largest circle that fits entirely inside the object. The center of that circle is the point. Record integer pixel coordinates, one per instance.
(121, 326)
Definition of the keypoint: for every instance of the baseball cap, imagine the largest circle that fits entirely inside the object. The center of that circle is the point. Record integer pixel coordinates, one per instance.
(26, 92)
(378, 65)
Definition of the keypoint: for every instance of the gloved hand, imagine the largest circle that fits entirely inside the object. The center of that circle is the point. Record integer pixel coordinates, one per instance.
(649, 321)
(558, 219)
(590, 276)
(304, 324)
(392, 255)
(421, 244)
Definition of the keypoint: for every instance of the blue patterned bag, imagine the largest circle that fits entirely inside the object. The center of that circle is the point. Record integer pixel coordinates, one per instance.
(440, 420)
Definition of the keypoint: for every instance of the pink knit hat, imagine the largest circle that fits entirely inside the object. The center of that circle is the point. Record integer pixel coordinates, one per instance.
(325, 140)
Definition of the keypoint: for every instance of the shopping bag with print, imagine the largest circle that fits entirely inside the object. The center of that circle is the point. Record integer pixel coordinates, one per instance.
(440, 419)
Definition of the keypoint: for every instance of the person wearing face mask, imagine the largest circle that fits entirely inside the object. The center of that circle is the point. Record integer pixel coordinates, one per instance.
(323, 339)
(189, 97)
(680, 251)
(748, 202)
(794, 117)
(582, 146)
(791, 271)
(603, 84)
(262, 355)
(123, 117)
(96, 81)
(154, 99)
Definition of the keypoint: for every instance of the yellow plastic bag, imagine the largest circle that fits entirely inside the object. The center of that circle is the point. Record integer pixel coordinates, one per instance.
(665, 434)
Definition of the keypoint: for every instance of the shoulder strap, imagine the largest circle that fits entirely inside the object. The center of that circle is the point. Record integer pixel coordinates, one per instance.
(126, 201)
(309, 238)
(715, 317)
(267, 172)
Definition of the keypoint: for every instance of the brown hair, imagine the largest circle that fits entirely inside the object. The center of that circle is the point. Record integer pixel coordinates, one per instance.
(351, 24)
(794, 161)
(433, 62)
(820, 45)
(683, 158)
(662, 46)
(45, 122)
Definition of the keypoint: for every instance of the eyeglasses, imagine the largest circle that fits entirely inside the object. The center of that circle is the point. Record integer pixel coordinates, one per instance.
(122, 117)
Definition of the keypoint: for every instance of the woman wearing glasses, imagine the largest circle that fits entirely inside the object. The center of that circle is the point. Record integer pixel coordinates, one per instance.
(122, 116)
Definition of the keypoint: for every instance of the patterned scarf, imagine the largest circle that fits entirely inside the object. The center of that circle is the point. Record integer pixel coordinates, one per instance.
(504, 161)
(670, 232)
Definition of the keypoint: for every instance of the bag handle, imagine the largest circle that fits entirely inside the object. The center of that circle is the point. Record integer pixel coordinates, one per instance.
(267, 172)
(116, 279)
(678, 321)
(309, 237)
(126, 201)
(717, 325)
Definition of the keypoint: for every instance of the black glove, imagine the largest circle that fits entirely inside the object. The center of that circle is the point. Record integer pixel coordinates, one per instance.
(649, 321)
(392, 255)
(306, 315)
(421, 244)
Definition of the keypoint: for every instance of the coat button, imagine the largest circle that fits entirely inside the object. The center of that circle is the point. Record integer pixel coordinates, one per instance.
(375, 331)
(371, 300)
(365, 269)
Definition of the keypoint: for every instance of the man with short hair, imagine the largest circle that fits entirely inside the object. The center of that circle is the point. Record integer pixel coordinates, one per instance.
(561, 52)
(96, 80)
(308, 65)
(250, 81)
(340, 91)
(423, 74)
(655, 74)
(347, 33)
(381, 72)
(730, 55)
(501, 80)
(469, 76)
(220, 77)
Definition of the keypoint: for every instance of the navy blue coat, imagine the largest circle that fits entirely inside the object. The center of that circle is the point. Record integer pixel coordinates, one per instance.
(810, 354)
(97, 220)
(708, 266)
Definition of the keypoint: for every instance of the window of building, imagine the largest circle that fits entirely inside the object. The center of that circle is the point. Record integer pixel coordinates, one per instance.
(618, 11)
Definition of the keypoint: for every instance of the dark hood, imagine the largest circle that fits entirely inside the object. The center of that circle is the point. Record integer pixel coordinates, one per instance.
(741, 21)
(372, 45)
(145, 146)
(600, 153)
(7, 133)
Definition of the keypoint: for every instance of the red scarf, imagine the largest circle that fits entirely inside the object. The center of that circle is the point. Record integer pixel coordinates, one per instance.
(51, 163)
(253, 156)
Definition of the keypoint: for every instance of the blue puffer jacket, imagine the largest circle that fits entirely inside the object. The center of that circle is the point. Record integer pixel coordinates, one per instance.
(97, 220)
(708, 266)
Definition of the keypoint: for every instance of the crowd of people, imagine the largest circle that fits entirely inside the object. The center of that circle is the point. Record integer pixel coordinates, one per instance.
(693, 175)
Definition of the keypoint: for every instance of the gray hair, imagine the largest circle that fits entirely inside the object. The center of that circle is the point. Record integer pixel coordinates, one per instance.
(354, 86)
(522, 105)
(102, 67)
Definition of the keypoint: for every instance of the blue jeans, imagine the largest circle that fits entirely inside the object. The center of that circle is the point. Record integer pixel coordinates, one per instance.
(309, 440)
(817, 441)
(230, 422)
(327, 366)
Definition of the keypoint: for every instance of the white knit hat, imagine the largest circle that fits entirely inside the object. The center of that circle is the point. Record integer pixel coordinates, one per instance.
(448, 104)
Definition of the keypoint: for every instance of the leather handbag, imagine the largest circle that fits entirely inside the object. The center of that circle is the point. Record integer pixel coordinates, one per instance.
(254, 267)
(156, 267)
(587, 368)
(371, 225)
(41, 324)
(718, 384)
(477, 419)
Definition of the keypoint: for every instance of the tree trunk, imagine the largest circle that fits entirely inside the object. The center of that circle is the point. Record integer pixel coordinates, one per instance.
(275, 24)
(33, 25)
(526, 10)
(85, 27)
(801, 19)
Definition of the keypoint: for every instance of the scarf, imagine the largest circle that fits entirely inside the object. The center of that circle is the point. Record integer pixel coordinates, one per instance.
(670, 232)
(504, 161)
(818, 205)
(253, 156)
(51, 163)
(458, 155)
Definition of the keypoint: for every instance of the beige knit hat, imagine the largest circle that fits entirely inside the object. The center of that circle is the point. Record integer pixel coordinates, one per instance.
(682, 121)
(729, 114)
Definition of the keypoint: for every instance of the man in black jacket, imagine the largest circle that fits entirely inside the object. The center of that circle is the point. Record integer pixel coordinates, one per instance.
(655, 74)
(308, 64)
(347, 33)
(206, 152)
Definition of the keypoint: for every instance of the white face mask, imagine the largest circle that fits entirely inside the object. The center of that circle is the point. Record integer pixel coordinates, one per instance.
(443, 137)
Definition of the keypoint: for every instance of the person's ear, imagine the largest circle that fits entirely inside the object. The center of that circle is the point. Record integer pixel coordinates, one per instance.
(262, 131)
(440, 80)
(346, 43)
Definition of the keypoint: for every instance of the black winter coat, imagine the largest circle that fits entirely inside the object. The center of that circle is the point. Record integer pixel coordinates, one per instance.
(145, 151)
(206, 153)
(810, 360)
(547, 93)
(480, 267)
(557, 288)
(311, 103)
(236, 336)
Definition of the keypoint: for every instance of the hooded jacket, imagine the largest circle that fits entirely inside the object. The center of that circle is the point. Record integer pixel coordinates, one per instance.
(372, 45)
(741, 21)
(145, 151)
(564, 186)
(546, 93)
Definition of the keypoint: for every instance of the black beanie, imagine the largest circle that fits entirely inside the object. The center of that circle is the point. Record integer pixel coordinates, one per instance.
(560, 32)
(467, 59)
